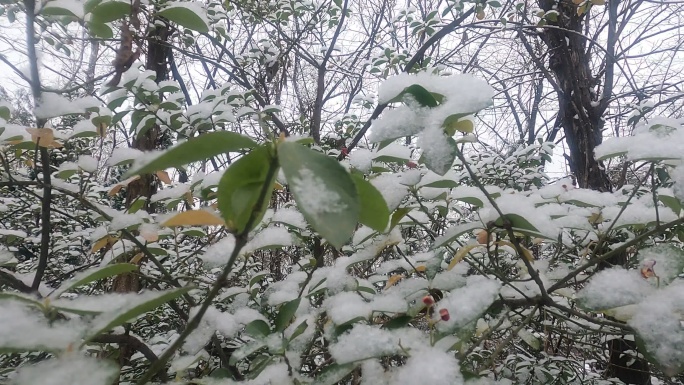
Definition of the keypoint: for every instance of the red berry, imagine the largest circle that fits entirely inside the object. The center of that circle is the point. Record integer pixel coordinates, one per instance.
(444, 314)
(428, 300)
(411, 164)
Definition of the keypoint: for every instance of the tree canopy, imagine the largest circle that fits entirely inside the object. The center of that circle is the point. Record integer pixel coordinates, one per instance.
(342, 192)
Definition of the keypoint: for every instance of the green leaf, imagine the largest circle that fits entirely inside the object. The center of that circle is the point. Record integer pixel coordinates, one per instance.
(530, 339)
(333, 374)
(672, 202)
(95, 274)
(5, 112)
(519, 224)
(285, 315)
(444, 183)
(454, 123)
(374, 212)
(221, 373)
(109, 11)
(397, 322)
(258, 328)
(240, 187)
(299, 330)
(424, 97)
(147, 302)
(323, 190)
(185, 17)
(55, 10)
(196, 149)
(398, 215)
(245, 351)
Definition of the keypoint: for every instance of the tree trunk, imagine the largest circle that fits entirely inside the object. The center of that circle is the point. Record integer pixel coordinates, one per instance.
(579, 113)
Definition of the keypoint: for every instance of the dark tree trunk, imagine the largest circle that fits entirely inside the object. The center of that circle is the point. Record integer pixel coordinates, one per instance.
(579, 113)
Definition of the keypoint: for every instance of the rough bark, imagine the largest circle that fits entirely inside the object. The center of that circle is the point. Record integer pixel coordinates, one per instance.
(579, 114)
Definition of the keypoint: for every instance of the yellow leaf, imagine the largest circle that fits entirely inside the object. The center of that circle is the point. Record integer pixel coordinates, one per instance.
(117, 187)
(102, 129)
(392, 280)
(278, 186)
(460, 254)
(194, 218)
(115, 190)
(149, 234)
(102, 242)
(188, 198)
(465, 126)
(420, 268)
(526, 253)
(598, 2)
(44, 137)
(164, 177)
(483, 237)
(137, 258)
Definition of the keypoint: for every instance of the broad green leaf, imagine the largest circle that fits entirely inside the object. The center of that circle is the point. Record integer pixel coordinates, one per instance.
(374, 212)
(196, 149)
(258, 329)
(324, 191)
(241, 186)
(185, 16)
(246, 351)
(285, 314)
(5, 112)
(333, 374)
(397, 322)
(398, 215)
(454, 123)
(299, 330)
(56, 8)
(529, 338)
(445, 183)
(424, 97)
(146, 302)
(92, 275)
(109, 11)
(452, 233)
(519, 224)
(672, 202)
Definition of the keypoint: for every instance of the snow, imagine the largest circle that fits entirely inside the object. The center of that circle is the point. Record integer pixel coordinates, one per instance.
(123, 155)
(311, 189)
(271, 236)
(436, 149)
(52, 105)
(345, 307)
(82, 127)
(361, 159)
(70, 369)
(429, 366)
(218, 253)
(24, 328)
(658, 322)
(174, 192)
(389, 185)
(290, 216)
(87, 163)
(613, 288)
(364, 341)
(466, 304)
